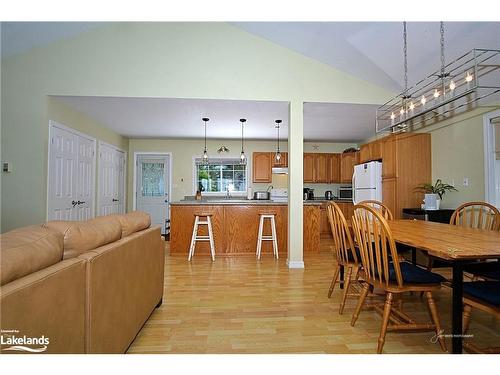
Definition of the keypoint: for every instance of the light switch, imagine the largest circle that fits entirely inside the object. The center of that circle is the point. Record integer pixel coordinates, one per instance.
(7, 167)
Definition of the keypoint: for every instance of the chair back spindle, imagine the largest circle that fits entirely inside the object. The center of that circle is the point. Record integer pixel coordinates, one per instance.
(375, 242)
(386, 212)
(477, 215)
(342, 239)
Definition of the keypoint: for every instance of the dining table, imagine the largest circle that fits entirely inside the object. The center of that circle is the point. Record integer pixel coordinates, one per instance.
(455, 245)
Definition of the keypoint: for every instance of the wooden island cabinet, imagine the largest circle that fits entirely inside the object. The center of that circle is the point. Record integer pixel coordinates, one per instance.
(235, 228)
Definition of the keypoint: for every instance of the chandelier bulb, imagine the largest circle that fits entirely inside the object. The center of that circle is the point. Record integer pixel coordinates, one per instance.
(412, 106)
(393, 116)
(452, 85)
(402, 111)
(423, 100)
(468, 78)
(436, 93)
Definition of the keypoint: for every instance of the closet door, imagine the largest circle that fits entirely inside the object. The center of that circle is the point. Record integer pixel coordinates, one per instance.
(71, 182)
(111, 180)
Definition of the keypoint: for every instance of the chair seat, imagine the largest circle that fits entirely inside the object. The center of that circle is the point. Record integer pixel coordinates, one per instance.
(487, 291)
(490, 270)
(415, 275)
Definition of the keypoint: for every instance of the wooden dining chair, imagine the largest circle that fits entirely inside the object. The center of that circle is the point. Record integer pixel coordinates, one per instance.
(478, 215)
(484, 296)
(345, 252)
(386, 212)
(377, 246)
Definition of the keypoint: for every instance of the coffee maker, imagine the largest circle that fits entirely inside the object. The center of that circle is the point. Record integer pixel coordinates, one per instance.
(308, 194)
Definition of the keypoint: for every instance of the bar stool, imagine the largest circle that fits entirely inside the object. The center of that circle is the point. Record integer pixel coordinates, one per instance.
(272, 237)
(196, 237)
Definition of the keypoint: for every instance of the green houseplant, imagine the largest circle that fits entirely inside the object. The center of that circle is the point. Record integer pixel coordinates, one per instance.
(431, 191)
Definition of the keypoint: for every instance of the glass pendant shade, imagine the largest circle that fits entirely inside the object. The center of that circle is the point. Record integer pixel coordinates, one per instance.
(204, 158)
(243, 158)
(277, 156)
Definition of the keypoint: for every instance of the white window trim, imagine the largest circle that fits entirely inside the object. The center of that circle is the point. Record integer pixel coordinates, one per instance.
(221, 193)
(489, 149)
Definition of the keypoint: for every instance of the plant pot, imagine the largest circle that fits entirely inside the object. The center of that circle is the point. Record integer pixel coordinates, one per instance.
(432, 202)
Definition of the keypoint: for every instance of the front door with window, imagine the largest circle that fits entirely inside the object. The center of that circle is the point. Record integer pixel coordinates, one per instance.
(153, 187)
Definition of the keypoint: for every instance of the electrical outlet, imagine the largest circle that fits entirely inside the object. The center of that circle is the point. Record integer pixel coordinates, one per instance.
(466, 181)
(7, 167)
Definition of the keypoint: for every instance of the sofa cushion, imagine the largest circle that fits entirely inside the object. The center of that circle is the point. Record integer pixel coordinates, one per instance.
(134, 222)
(27, 250)
(82, 236)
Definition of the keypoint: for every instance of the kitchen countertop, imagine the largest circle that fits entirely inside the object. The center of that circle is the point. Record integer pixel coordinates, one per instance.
(254, 202)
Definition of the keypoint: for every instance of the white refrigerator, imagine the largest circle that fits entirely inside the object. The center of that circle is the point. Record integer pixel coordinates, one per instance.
(367, 182)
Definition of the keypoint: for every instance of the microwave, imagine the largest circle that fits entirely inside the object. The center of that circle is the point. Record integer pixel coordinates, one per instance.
(345, 192)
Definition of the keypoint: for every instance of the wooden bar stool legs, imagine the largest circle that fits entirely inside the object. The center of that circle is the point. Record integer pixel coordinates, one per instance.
(272, 237)
(196, 237)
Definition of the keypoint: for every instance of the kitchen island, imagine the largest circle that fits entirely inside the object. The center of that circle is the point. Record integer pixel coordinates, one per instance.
(235, 225)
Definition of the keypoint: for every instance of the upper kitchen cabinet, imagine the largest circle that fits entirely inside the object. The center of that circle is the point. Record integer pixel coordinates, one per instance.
(370, 151)
(333, 165)
(261, 167)
(347, 162)
(309, 164)
(321, 168)
(282, 163)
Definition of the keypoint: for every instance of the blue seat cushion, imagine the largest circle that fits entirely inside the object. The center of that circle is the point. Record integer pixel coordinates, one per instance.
(490, 270)
(487, 291)
(415, 275)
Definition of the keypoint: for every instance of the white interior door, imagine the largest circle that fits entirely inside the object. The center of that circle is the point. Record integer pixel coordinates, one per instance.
(71, 168)
(152, 176)
(111, 184)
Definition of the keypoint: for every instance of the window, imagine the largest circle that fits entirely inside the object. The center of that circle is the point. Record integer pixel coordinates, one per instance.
(153, 180)
(221, 175)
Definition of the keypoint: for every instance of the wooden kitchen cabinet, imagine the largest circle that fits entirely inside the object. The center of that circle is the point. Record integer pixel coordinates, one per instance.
(347, 162)
(370, 151)
(325, 231)
(261, 167)
(389, 194)
(388, 157)
(321, 168)
(309, 162)
(333, 165)
(364, 153)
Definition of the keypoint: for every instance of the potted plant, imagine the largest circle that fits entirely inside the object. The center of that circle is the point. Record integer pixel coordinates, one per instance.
(434, 193)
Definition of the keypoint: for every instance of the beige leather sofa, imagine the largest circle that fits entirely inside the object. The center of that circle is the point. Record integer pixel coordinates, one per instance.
(87, 286)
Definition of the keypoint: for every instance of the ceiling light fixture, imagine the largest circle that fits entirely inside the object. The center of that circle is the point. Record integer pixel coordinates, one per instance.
(278, 153)
(243, 158)
(454, 88)
(204, 158)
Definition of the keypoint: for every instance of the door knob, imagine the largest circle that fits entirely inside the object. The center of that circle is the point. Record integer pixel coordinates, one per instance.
(115, 200)
(80, 202)
(74, 203)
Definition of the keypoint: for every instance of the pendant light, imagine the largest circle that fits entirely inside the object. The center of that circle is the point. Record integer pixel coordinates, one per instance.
(278, 153)
(243, 158)
(204, 158)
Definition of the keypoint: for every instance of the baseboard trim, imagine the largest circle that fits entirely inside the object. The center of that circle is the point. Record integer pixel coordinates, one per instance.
(295, 263)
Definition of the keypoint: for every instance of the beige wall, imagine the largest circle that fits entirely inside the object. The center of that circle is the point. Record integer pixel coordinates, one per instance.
(170, 60)
(183, 152)
(458, 153)
(65, 115)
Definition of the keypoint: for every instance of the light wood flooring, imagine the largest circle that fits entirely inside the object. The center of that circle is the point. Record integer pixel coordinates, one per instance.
(241, 305)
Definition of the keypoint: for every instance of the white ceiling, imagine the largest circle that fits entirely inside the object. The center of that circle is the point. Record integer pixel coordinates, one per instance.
(340, 122)
(181, 118)
(373, 51)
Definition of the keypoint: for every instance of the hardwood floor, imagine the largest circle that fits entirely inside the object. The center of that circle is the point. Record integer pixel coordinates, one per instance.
(241, 305)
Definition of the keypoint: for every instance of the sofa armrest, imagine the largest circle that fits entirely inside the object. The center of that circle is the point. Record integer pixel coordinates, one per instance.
(124, 284)
(49, 302)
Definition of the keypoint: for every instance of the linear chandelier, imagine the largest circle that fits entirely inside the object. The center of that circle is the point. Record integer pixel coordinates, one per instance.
(456, 87)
